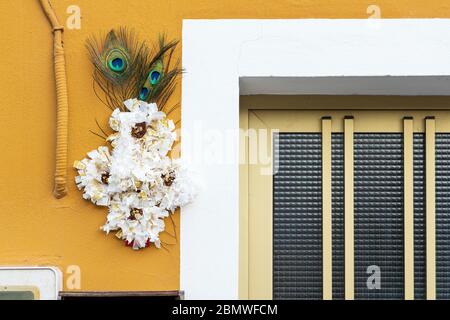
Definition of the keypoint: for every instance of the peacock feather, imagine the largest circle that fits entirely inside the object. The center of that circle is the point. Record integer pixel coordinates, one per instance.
(125, 68)
(159, 80)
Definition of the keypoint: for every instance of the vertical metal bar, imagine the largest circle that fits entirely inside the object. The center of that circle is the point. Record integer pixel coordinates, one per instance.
(408, 185)
(327, 263)
(349, 214)
(430, 217)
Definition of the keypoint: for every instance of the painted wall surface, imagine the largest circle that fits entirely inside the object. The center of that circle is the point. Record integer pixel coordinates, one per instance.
(37, 229)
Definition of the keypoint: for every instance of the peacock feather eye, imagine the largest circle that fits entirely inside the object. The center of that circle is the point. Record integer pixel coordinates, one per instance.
(154, 77)
(155, 74)
(117, 64)
(143, 93)
(117, 61)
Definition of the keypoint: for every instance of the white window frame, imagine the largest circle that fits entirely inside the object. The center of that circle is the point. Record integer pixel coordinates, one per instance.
(228, 58)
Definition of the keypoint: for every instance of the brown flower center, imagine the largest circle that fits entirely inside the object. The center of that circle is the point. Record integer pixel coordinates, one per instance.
(134, 213)
(139, 130)
(105, 177)
(168, 178)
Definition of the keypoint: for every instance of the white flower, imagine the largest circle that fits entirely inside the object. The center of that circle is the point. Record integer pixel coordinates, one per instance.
(93, 175)
(140, 222)
(181, 191)
(137, 180)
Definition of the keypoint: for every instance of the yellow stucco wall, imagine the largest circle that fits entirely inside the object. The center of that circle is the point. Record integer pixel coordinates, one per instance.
(35, 228)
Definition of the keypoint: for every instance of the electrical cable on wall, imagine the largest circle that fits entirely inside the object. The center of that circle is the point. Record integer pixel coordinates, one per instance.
(62, 107)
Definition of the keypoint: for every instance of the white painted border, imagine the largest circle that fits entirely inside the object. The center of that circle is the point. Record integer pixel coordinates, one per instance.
(225, 58)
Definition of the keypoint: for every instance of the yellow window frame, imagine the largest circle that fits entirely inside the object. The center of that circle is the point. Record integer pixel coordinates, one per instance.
(256, 190)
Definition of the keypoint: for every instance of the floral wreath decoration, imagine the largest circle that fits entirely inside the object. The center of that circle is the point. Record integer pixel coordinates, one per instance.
(135, 178)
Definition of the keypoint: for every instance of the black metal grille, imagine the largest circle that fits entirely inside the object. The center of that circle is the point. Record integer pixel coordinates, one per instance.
(378, 171)
(419, 217)
(378, 209)
(443, 216)
(337, 209)
(297, 217)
